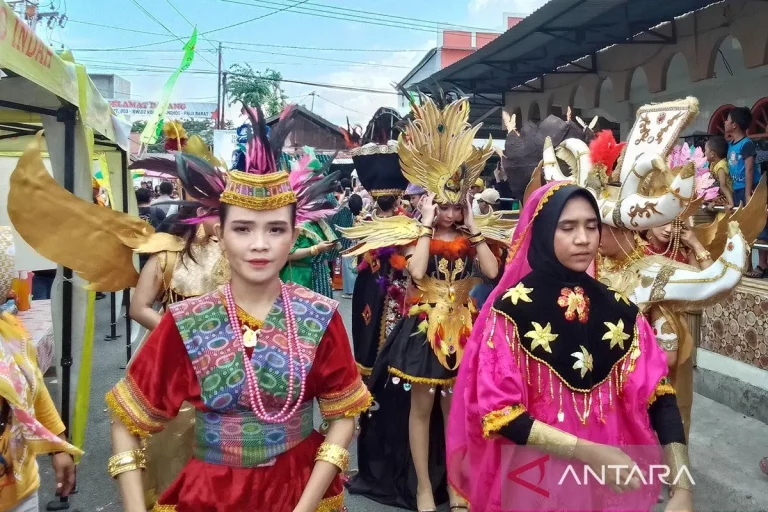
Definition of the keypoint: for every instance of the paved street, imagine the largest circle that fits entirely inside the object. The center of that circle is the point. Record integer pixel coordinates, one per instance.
(725, 446)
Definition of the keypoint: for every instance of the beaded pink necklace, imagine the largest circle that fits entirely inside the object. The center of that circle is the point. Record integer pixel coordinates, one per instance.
(252, 383)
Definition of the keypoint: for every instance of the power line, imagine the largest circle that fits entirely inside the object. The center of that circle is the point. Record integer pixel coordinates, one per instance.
(189, 22)
(368, 15)
(318, 13)
(351, 88)
(141, 47)
(340, 106)
(151, 16)
(256, 18)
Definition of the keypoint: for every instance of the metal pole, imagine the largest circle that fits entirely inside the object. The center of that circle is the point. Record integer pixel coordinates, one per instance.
(313, 101)
(67, 116)
(218, 94)
(112, 318)
(127, 291)
(128, 346)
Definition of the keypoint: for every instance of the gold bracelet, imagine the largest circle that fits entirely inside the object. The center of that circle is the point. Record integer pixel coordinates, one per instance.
(333, 454)
(676, 457)
(552, 440)
(313, 250)
(126, 461)
(426, 231)
(476, 240)
(703, 256)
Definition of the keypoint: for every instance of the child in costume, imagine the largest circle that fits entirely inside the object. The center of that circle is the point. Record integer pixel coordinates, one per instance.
(558, 364)
(414, 373)
(251, 357)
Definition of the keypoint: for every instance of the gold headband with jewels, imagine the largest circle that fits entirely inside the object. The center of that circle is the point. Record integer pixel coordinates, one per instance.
(258, 191)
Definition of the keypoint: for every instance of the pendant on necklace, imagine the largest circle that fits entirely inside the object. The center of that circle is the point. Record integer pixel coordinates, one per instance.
(250, 337)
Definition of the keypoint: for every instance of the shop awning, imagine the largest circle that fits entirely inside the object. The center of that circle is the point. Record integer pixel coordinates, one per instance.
(562, 37)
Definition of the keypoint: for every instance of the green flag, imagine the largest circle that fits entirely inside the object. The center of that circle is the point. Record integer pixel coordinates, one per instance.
(155, 125)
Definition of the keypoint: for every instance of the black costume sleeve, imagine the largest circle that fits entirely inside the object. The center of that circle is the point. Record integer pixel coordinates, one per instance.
(666, 420)
(519, 429)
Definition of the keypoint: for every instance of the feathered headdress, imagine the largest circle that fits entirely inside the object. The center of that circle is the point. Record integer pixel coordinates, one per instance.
(201, 174)
(175, 135)
(312, 187)
(437, 151)
(262, 186)
(353, 135)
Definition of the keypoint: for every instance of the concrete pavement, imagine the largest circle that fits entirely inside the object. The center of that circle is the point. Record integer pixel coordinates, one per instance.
(726, 446)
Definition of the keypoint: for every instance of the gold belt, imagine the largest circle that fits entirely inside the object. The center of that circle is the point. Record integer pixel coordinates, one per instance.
(449, 315)
(431, 291)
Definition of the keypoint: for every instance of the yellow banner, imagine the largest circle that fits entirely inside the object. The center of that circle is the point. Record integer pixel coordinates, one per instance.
(83, 396)
(25, 54)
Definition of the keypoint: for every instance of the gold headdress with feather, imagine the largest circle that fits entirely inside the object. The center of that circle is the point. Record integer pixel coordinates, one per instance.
(436, 150)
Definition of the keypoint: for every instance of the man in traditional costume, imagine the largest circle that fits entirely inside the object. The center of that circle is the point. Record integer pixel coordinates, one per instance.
(250, 357)
(417, 365)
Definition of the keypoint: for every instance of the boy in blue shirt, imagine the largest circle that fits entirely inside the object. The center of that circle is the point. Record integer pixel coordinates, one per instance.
(741, 167)
(741, 155)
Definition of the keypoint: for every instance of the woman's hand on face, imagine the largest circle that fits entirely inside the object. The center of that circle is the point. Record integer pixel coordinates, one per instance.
(688, 237)
(428, 209)
(469, 215)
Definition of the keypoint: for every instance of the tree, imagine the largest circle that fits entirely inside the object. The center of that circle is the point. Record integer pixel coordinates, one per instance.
(251, 87)
(200, 127)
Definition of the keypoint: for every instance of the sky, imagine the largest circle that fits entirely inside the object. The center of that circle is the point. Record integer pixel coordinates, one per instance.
(376, 56)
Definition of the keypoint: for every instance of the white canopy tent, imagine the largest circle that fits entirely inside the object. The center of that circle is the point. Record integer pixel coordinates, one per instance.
(42, 90)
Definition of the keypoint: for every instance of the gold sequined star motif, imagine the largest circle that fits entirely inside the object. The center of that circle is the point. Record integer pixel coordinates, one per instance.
(583, 362)
(616, 334)
(541, 336)
(518, 293)
(619, 296)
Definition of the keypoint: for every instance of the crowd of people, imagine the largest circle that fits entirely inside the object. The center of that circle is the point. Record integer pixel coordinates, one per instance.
(481, 338)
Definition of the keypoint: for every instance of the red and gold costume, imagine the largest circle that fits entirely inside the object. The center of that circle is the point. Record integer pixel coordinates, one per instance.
(164, 375)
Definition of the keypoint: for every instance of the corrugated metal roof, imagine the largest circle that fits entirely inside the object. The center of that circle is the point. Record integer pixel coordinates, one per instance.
(559, 32)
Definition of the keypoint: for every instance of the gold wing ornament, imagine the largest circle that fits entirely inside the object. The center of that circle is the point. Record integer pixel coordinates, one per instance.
(381, 232)
(436, 150)
(495, 227)
(679, 286)
(95, 242)
(750, 218)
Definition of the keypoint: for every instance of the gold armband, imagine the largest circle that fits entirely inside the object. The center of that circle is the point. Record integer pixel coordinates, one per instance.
(426, 231)
(126, 461)
(676, 457)
(476, 240)
(551, 440)
(333, 454)
(703, 256)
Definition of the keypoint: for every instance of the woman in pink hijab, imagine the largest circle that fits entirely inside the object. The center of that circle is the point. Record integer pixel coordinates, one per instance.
(562, 397)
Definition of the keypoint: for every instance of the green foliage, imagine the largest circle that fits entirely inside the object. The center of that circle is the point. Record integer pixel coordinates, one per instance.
(247, 86)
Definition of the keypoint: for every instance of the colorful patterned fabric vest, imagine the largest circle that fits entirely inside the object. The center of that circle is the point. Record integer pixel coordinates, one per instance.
(228, 433)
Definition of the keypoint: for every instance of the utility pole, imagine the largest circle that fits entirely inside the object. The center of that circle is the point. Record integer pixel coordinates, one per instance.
(223, 97)
(29, 11)
(313, 93)
(219, 105)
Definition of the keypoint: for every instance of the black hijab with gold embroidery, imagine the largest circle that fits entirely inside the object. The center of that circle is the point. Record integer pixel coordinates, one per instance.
(568, 320)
